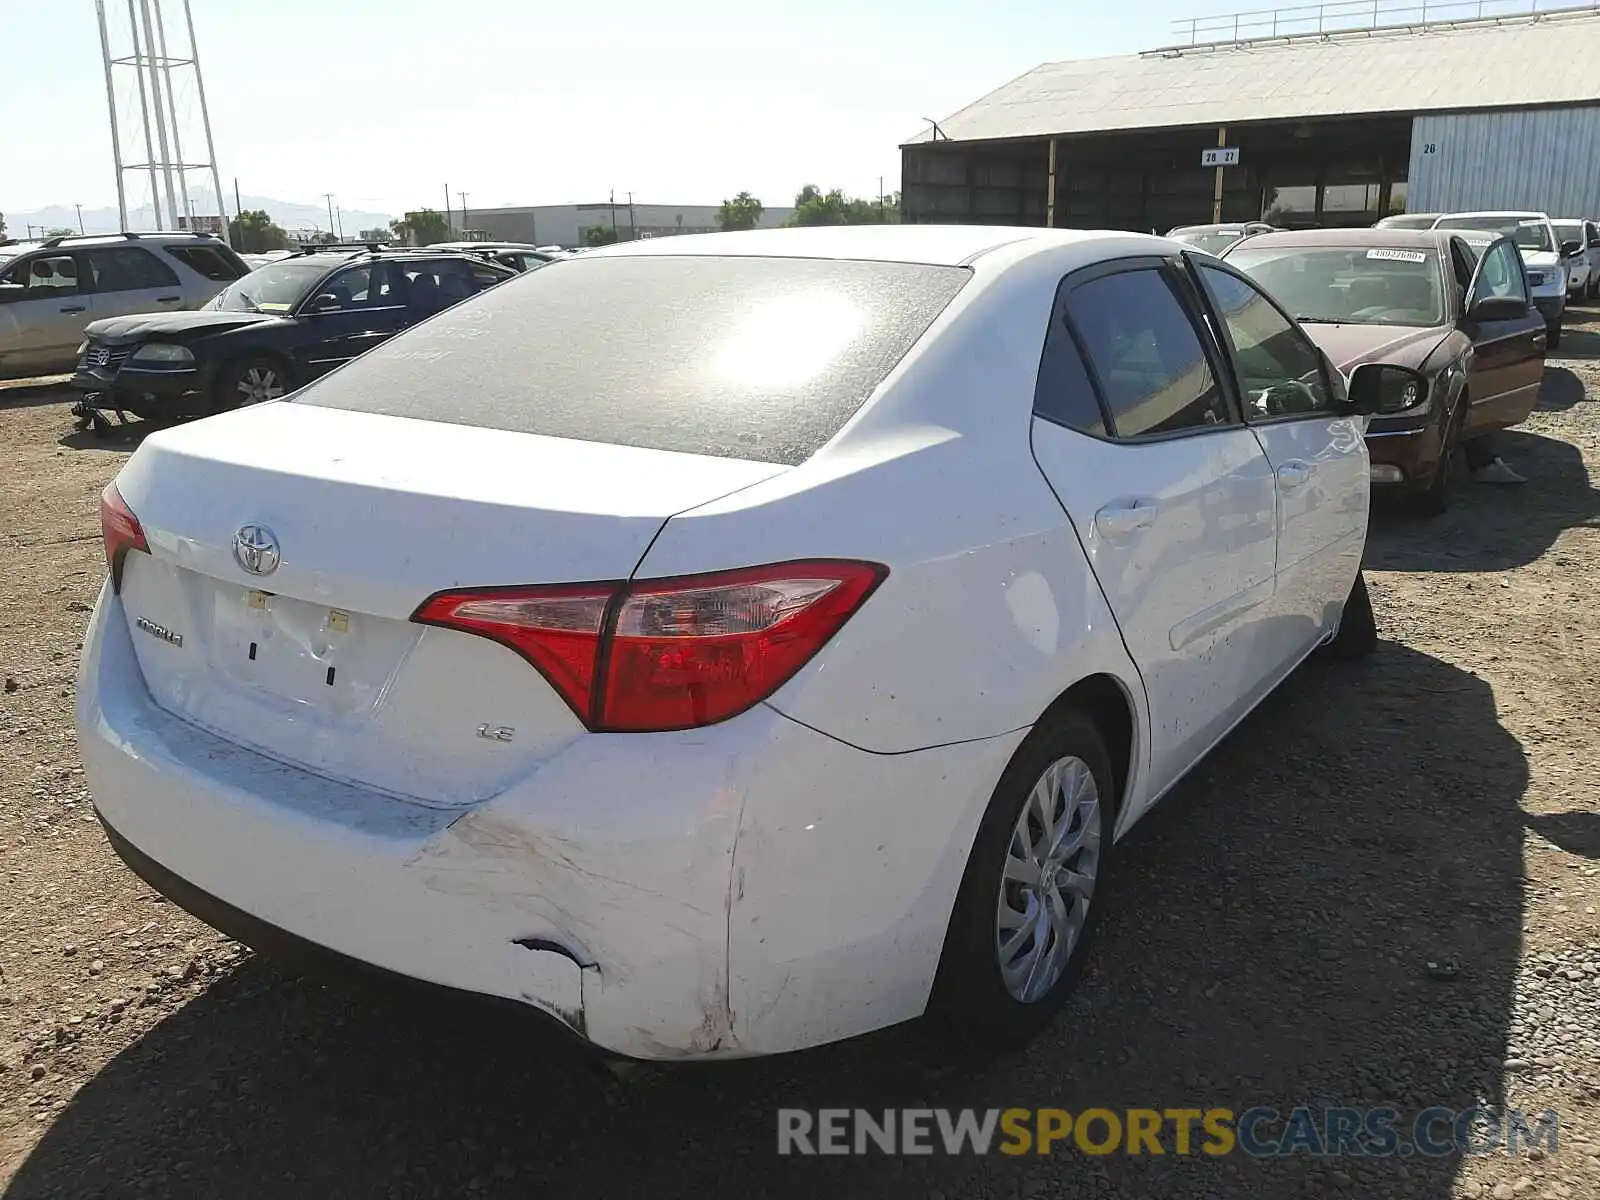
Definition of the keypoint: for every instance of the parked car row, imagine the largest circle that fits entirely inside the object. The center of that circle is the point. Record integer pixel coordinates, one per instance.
(1562, 254)
(51, 290)
(726, 645)
(1456, 304)
(269, 331)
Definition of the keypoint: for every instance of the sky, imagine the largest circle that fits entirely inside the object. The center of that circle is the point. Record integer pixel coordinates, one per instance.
(384, 103)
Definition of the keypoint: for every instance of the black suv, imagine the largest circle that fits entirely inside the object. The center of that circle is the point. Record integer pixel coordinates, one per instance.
(264, 335)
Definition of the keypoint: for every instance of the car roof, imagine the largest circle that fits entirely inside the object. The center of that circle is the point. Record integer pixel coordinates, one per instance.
(938, 245)
(1377, 239)
(480, 246)
(1510, 212)
(78, 241)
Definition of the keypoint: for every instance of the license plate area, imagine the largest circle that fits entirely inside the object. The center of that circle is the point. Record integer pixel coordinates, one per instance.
(310, 654)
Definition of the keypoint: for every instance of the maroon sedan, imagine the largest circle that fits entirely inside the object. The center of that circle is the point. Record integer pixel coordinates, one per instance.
(1449, 303)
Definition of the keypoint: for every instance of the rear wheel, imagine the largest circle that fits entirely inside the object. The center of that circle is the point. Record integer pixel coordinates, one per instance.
(251, 381)
(1033, 890)
(1358, 628)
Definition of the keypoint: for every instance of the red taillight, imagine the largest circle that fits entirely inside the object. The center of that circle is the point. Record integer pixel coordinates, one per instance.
(120, 530)
(661, 654)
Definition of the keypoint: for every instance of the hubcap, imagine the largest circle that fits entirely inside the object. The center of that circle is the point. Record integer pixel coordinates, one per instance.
(258, 384)
(1046, 886)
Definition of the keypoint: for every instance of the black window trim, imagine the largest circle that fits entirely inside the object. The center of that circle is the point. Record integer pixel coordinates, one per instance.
(1167, 268)
(1461, 256)
(1213, 311)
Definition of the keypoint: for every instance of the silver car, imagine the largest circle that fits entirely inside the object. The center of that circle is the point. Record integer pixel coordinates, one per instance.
(50, 290)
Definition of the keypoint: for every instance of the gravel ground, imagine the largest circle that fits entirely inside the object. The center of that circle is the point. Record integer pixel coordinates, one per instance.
(1382, 889)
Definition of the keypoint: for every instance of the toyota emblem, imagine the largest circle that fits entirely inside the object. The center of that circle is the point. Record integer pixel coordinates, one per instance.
(255, 548)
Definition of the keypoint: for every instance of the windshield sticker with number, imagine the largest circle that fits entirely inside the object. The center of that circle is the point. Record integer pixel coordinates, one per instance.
(1410, 256)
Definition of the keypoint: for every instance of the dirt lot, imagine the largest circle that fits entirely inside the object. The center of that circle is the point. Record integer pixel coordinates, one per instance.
(1382, 889)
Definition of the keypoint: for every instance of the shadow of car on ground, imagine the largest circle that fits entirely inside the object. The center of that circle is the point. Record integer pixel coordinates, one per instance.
(1327, 911)
(1490, 528)
(1578, 342)
(1559, 390)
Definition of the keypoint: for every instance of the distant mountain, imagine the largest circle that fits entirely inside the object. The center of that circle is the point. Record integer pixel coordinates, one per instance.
(287, 213)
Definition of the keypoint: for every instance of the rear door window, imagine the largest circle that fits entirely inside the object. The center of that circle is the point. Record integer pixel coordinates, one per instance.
(128, 269)
(203, 260)
(1146, 355)
(740, 357)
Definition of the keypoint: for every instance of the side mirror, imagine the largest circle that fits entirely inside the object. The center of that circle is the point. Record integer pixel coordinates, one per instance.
(1571, 248)
(1496, 308)
(326, 302)
(11, 291)
(1382, 389)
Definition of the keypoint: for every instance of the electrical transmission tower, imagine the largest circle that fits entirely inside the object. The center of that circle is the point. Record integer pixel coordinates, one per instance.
(153, 84)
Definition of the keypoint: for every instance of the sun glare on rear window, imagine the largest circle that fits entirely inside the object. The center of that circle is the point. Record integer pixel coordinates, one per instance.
(786, 342)
(755, 358)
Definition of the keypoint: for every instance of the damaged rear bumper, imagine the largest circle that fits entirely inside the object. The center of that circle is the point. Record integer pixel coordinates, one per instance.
(750, 887)
(279, 944)
(598, 896)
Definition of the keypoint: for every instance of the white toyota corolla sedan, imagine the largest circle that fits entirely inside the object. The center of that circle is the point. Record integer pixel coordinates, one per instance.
(728, 644)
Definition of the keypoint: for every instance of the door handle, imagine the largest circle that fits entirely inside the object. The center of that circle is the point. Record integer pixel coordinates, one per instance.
(1126, 517)
(169, 299)
(73, 308)
(1294, 475)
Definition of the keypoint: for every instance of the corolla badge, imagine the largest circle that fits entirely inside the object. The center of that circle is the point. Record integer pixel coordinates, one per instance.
(255, 548)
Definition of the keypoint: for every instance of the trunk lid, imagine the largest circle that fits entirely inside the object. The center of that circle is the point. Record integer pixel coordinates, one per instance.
(316, 661)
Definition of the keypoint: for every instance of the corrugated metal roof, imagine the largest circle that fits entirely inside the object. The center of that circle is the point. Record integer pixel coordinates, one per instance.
(1506, 64)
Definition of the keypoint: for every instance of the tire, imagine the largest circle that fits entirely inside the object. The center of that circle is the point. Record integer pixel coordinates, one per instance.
(975, 1004)
(1553, 338)
(251, 380)
(1433, 500)
(1358, 628)
(1591, 290)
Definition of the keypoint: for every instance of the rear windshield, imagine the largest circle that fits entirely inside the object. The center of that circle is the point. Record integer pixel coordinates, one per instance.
(1212, 241)
(1422, 221)
(755, 358)
(1530, 233)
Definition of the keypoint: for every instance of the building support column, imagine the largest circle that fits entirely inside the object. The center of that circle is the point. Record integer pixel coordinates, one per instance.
(1216, 193)
(1050, 188)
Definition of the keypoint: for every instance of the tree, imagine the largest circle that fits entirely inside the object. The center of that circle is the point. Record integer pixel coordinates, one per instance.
(254, 232)
(812, 206)
(423, 227)
(2, 226)
(599, 235)
(742, 212)
(62, 231)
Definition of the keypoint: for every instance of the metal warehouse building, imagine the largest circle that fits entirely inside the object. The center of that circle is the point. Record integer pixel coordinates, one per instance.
(1322, 127)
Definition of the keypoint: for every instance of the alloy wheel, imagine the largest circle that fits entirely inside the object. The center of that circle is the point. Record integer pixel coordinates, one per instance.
(259, 384)
(1047, 884)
